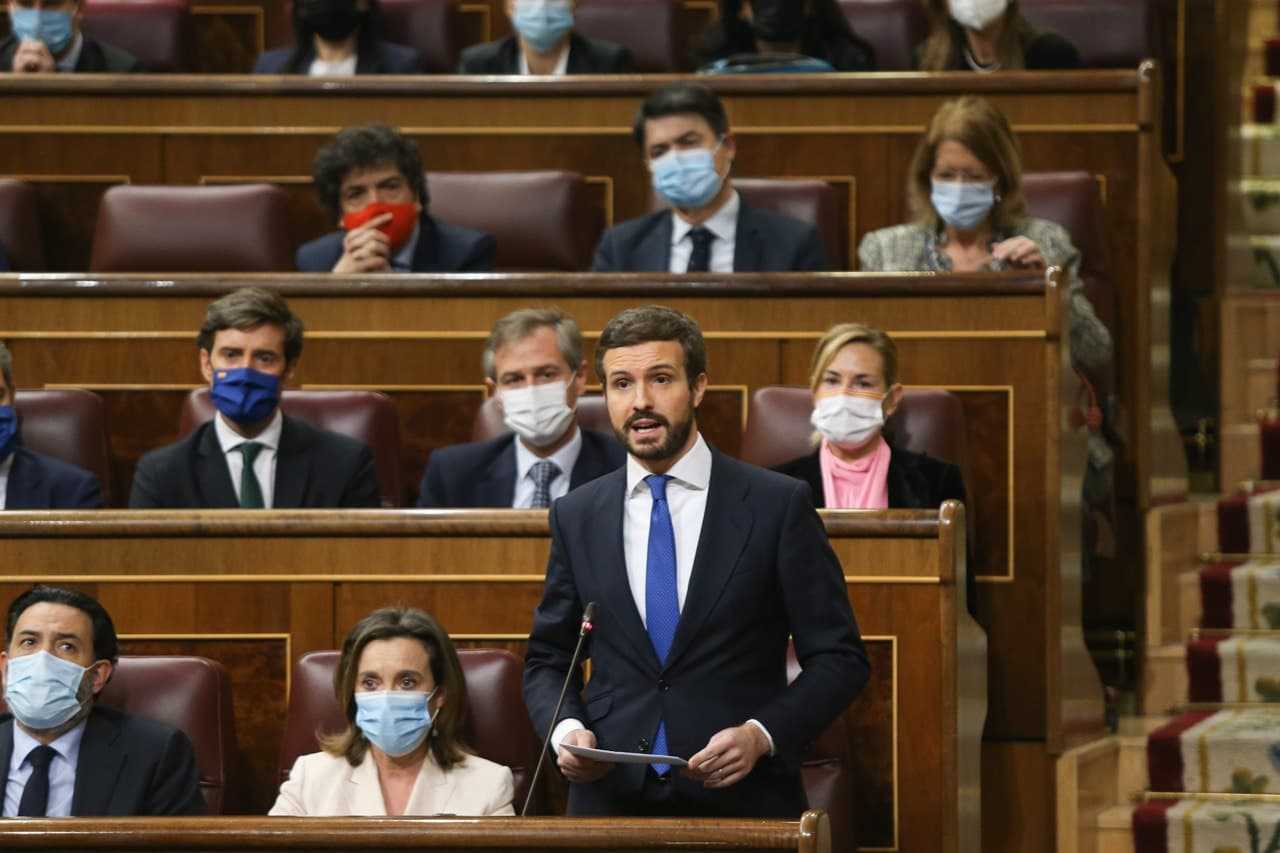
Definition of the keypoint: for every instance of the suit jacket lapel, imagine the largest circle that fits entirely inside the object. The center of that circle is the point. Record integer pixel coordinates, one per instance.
(726, 527)
(6, 747)
(213, 478)
(608, 557)
(654, 252)
(746, 242)
(905, 490)
(101, 758)
(24, 482)
(589, 461)
(426, 257)
(433, 790)
(293, 467)
(364, 791)
(498, 487)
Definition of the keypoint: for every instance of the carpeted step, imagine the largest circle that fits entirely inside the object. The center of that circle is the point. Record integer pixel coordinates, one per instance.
(1233, 751)
(1206, 826)
(1258, 202)
(1241, 595)
(1234, 668)
(1249, 523)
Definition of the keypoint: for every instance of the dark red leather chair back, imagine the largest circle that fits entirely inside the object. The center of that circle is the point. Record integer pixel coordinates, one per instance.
(70, 425)
(1072, 200)
(242, 228)
(20, 235)
(366, 416)
(429, 26)
(826, 772)
(1108, 33)
(893, 27)
(645, 27)
(497, 724)
(806, 200)
(543, 221)
(157, 32)
(591, 414)
(928, 420)
(192, 694)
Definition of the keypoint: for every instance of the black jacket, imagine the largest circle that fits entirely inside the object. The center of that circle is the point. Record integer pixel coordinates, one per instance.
(95, 57)
(916, 480)
(586, 56)
(315, 469)
(483, 473)
(37, 481)
(386, 58)
(765, 242)
(441, 248)
(128, 766)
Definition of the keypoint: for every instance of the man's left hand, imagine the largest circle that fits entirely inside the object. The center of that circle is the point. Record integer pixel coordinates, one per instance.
(729, 756)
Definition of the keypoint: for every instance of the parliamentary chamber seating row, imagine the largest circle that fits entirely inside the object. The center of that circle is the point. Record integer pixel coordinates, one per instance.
(160, 33)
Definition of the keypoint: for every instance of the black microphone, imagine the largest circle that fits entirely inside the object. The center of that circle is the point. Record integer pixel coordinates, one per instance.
(587, 616)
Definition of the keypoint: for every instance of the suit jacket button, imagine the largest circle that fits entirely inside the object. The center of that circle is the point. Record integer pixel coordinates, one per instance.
(643, 746)
(663, 686)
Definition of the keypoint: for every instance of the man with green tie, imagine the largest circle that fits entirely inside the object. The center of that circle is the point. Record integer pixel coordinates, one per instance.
(251, 455)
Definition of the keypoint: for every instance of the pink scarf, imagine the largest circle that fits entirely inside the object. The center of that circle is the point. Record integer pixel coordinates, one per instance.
(862, 484)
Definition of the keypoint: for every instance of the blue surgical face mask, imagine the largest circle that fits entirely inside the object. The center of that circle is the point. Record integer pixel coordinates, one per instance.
(395, 721)
(245, 395)
(687, 178)
(52, 28)
(543, 23)
(963, 204)
(43, 691)
(8, 431)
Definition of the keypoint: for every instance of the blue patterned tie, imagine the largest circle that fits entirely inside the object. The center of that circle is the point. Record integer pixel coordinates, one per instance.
(661, 601)
(543, 473)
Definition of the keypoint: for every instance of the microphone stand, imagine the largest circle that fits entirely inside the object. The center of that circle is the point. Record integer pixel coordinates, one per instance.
(587, 616)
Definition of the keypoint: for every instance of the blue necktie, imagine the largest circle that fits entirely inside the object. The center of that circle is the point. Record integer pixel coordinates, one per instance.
(661, 601)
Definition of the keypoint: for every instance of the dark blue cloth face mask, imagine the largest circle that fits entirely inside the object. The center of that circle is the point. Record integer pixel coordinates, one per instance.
(245, 395)
(8, 431)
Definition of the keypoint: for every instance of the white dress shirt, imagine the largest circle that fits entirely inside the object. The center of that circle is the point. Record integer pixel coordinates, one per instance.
(723, 223)
(687, 503)
(564, 458)
(62, 771)
(4, 480)
(264, 466)
(341, 68)
(562, 64)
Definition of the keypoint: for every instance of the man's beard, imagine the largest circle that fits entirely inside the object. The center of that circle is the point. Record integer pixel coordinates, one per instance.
(676, 437)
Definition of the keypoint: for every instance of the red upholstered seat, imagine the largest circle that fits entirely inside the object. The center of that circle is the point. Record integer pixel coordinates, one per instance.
(20, 235)
(69, 425)
(1108, 33)
(826, 771)
(193, 695)
(497, 725)
(157, 32)
(654, 46)
(807, 200)
(541, 220)
(366, 416)
(591, 414)
(163, 229)
(893, 28)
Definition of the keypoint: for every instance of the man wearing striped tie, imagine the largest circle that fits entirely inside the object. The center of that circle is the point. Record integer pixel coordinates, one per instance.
(701, 568)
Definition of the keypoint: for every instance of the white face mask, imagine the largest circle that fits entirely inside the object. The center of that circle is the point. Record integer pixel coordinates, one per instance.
(977, 14)
(537, 413)
(848, 420)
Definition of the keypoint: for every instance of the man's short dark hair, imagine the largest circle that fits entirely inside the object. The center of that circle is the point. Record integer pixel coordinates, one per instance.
(105, 644)
(680, 98)
(366, 148)
(654, 323)
(249, 308)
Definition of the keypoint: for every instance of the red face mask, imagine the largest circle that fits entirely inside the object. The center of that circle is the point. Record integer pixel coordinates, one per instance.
(403, 218)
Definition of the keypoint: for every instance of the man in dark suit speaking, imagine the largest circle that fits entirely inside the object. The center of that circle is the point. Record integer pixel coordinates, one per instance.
(533, 363)
(63, 755)
(684, 138)
(250, 455)
(702, 567)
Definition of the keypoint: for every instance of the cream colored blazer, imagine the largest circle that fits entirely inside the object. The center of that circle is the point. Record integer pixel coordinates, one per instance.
(325, 785)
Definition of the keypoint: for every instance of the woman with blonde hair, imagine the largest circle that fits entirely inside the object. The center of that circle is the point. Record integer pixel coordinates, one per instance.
(401, 689)
(965, 190)
(989, 35)
(854, 382)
